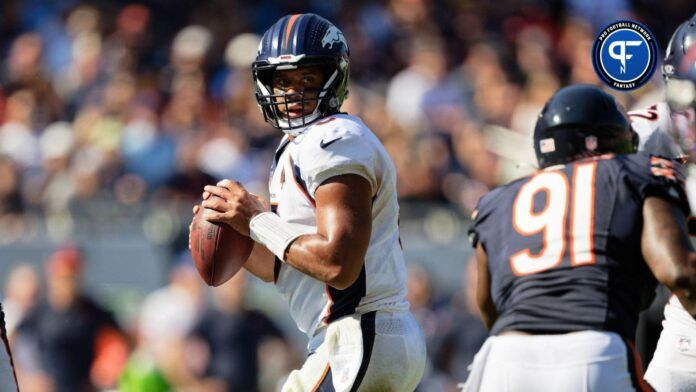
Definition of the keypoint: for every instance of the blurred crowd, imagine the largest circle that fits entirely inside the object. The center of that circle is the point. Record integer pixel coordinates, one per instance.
(132, 104)
(135, 102)
(180, 339)
(185, 337)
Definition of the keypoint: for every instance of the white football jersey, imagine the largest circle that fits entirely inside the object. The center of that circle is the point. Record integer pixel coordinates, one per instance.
(657, 127)
(656, 130)
(337, 145)
(677, 315)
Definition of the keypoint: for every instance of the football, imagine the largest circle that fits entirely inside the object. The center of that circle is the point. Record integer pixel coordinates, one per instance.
(218, 250)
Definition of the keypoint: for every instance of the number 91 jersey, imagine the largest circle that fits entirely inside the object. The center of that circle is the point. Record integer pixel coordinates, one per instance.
(563, 245)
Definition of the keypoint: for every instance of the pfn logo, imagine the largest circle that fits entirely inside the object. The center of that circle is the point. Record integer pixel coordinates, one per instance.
(624, 55)
(621, 55)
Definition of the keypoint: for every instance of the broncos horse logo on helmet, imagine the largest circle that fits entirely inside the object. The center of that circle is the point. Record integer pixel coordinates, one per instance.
(295, 41)
(333, 36)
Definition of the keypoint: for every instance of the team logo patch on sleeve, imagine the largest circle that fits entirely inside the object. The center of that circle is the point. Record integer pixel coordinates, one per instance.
(661, 167)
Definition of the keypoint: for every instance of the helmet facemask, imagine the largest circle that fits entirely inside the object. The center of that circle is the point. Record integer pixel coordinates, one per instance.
(275, 106)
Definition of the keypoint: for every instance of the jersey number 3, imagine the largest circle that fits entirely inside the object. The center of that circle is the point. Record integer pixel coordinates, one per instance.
(551, 220)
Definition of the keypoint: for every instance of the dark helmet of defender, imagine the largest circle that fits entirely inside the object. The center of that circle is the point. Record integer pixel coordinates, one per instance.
(581, 121)
(294, 41)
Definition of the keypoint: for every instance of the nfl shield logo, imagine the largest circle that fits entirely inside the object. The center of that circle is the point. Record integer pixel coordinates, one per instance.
(591, 143)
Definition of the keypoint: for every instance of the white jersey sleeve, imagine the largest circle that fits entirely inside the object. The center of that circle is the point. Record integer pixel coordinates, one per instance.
(338, 148)
(655, 131)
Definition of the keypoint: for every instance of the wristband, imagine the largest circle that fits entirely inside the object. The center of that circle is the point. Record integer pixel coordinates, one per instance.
(274, 233)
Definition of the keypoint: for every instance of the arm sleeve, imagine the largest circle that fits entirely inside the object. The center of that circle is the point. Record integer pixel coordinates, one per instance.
(651, 175)
(349, 154)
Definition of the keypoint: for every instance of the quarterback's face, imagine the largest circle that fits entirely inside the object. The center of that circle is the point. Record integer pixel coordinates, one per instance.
(292, 83)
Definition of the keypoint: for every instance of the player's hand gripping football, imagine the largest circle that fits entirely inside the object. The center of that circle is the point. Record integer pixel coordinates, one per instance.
(234, 206)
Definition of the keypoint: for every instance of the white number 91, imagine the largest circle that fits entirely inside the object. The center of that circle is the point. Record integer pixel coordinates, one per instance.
(551, 220)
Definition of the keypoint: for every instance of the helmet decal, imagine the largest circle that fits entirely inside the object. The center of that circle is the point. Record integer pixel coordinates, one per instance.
(288, 28)
(332, 36)
(580, 121)
(547, 145)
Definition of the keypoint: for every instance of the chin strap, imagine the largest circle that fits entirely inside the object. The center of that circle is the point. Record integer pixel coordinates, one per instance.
(298, 126)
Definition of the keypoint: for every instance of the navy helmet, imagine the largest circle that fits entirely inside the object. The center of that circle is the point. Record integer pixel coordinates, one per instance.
(679, 66)
(684, 37)
(301, 40)
(580, 121)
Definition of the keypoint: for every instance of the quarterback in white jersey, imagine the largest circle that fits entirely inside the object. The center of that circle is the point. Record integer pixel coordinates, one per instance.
(668, 129)
(330, 242)
(339, 145)
(673, 366)
(668, 133)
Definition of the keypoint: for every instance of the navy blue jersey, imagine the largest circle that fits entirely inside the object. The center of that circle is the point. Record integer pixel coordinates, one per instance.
(563, 245)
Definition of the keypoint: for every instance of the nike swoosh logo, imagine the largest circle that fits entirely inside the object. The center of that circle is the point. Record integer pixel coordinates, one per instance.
(324, 145)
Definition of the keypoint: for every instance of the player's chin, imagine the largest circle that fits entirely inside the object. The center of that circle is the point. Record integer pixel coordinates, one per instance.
(292, 115)
(296, 114)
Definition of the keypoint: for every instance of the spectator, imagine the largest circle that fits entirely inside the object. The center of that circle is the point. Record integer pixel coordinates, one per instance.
(421, 296)
(66, 330)
(465, 332)
(229, 336)
(21, 294)
(11, 201)
(23, 70)
(426, 67)
(17, 134)
(167, 316)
